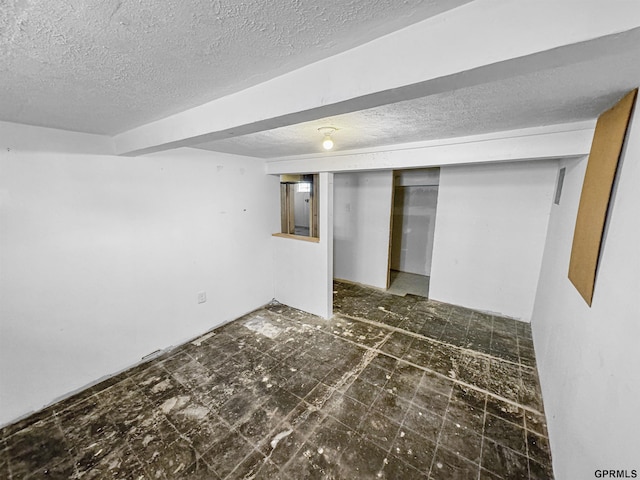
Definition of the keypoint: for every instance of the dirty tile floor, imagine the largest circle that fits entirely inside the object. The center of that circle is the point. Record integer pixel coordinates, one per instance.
(392, 388)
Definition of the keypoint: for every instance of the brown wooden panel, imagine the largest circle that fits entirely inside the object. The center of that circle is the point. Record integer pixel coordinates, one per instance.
(596, 193)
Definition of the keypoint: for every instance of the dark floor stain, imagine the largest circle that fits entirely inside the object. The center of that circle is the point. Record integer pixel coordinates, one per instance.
(391, 388)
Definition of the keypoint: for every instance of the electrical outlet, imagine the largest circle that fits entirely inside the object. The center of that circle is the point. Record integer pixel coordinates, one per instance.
(202, 297)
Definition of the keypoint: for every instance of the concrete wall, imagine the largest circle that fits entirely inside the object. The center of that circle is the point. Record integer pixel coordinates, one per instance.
(490, 233)
(588, 358)
(362, 208)
(304, 270)
(102, 257)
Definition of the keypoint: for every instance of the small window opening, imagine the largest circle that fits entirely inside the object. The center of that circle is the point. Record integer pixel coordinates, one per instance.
(299, 205)
(304, 187)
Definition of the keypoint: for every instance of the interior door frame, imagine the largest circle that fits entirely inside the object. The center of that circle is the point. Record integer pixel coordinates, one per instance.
(393, 199)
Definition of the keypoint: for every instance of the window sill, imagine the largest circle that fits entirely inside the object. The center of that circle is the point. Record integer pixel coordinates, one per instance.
(297, 237)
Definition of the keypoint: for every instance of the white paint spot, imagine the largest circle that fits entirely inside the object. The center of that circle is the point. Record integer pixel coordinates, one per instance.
(458, 425)
(174, 403)
(320, 450)
(262, 326)
(150, 380)
(439, 465)
(280, 436)
(162, 386)
(265, 379)
(420, 413)
(385, 461)
(388, 377)
(195, 412)
(402, 434)
(397, 450)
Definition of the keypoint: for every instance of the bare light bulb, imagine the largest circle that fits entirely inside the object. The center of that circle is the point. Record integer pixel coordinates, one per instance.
(327, 143)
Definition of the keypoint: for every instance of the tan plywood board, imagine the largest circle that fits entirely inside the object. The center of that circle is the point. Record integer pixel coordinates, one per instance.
(607, 144)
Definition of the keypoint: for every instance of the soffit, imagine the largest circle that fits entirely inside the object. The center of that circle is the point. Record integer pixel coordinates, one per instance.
(570, 93)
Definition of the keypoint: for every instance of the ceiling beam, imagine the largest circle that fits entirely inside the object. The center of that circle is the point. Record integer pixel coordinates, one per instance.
(539, 143)
(430, 57)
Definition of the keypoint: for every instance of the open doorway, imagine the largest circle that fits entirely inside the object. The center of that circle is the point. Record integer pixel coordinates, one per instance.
(413, 214)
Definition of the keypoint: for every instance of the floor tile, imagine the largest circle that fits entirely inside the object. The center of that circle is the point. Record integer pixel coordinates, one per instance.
(379, 429)
(461, 440)
(506, 433)
(451, 466)
(503, 461)
(413, 449)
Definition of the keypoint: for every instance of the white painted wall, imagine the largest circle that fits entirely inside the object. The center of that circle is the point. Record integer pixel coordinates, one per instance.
(304, 270)
(414, 215)
(414, 218)
(101, 258)
(490, 233)
(301, 209)
(362, 209)
(588, 358)
(420, 177)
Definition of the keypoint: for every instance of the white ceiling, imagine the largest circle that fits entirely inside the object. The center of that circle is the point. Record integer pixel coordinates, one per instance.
(558, 95)
(106, 66)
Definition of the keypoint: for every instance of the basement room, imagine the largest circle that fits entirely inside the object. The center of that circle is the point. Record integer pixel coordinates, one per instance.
(319, 240)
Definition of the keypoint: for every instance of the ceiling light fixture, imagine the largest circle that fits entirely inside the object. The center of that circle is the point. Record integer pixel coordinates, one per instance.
(327, 142)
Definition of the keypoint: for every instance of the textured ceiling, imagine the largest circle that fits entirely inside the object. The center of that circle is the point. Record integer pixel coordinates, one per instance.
(565, 94)
(106, 66)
